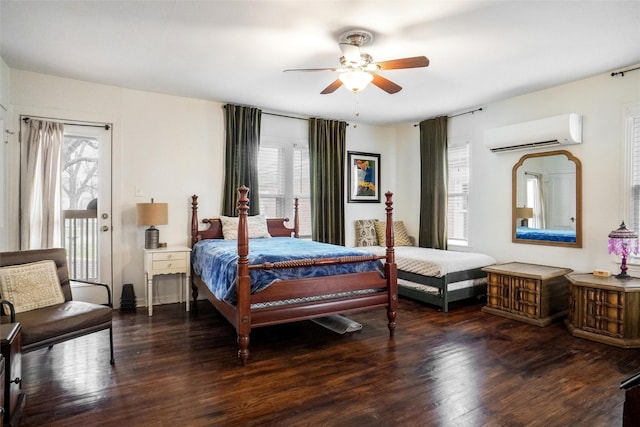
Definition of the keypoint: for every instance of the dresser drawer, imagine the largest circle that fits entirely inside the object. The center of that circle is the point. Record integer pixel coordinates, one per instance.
(178, 265)
(169, 256)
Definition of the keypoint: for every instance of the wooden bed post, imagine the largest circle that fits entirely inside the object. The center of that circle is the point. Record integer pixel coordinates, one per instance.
(390, 267)
(194, 240)
(194, 220)
(243, 287)
(296, 219)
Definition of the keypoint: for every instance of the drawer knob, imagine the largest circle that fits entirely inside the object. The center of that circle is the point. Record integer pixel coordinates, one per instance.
(17, 380)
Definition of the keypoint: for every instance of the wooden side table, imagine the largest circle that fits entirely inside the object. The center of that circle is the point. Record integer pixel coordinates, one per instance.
(605, 309)
(11, 348)
(531, 293)
(171, 260)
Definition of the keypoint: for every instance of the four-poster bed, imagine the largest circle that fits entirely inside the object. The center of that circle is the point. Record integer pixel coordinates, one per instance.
(348, 283)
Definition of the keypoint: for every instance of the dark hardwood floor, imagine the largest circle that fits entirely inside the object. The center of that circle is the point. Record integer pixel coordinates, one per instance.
(463, 368)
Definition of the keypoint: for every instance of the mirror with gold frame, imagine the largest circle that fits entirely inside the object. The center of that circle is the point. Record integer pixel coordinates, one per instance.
(547, 199)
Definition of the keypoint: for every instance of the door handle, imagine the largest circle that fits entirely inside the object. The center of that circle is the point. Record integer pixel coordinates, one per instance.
(105, 228)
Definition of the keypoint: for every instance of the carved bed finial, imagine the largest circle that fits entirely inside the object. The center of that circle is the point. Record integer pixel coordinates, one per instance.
(194, 220)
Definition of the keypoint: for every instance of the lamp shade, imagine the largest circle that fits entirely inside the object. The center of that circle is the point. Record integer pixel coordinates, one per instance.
(355, 80)
(152, 213)
(524, 212)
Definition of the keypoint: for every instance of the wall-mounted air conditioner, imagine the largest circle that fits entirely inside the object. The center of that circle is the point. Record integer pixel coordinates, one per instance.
(552, 131)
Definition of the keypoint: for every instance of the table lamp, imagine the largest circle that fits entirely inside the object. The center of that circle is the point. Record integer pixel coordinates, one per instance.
(525, 213)
(623, 242)
(152, 214)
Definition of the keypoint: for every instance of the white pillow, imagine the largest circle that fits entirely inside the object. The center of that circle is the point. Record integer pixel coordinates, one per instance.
(256, 224)
(31, 286)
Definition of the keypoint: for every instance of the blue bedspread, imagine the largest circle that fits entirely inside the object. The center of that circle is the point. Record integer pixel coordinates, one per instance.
(545, 234)
(216, 260)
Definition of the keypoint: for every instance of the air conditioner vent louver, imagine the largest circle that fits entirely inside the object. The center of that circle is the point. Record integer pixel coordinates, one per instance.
(564, 129)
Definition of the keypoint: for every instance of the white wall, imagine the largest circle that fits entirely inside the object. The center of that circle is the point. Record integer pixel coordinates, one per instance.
(377, 140)
(171, 147)
(601, 100)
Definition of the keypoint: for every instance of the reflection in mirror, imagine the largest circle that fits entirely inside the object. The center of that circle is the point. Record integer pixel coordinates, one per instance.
(547, 199)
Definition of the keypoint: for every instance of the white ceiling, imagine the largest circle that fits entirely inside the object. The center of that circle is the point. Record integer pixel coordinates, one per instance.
(234, 51)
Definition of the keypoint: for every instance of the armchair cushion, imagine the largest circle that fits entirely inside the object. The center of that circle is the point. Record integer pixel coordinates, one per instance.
(31, 286)
(56, 321)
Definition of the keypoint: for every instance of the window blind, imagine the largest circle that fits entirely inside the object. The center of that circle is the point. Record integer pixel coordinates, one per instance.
(458, 194)
(634, 137)
(283, 168)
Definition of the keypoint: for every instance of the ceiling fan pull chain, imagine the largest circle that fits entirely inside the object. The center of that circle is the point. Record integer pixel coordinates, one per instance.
(356, 113)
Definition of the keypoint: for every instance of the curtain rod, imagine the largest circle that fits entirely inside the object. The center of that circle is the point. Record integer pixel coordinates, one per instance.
(456, 115)
(286, 116)
(293, 117)
(105, 126)
(621, 73)
(277, 115)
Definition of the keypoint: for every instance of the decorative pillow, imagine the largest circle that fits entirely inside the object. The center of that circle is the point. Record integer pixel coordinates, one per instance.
(400, 235)
(256, 224)
(366, 232)
(31, 286)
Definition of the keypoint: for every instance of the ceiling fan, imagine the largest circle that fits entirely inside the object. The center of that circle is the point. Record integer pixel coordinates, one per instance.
(357, 69)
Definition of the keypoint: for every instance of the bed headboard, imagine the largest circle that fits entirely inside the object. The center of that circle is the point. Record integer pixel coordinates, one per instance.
(277, 226)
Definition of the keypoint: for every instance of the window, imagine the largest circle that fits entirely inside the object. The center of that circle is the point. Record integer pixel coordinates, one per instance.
(458, 201)
(633, 142)
(80, 158)
(283, 168)
(80, 171)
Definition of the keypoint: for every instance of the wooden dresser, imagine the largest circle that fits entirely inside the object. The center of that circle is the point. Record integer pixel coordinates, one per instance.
(536, 294)
(14, 397)
(605, 309)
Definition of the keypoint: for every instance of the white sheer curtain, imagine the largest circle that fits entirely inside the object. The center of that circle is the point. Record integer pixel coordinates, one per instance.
(40, 171)
(535, 199)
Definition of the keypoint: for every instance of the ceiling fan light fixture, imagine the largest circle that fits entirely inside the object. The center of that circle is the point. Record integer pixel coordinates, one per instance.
(355, 80)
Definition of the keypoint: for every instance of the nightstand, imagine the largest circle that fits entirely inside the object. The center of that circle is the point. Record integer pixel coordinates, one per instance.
(605, 309)
(531, 293)
(170, 260)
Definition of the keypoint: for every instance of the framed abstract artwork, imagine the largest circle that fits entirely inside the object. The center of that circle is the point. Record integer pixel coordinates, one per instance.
(363, 177)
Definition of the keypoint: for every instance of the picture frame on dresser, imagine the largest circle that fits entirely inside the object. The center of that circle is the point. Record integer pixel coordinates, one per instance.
(363, 177)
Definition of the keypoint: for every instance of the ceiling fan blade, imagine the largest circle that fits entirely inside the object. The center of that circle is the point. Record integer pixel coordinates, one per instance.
(311, 69)
(350, 52)
(395, 64)
(385, 84)
(332, 87)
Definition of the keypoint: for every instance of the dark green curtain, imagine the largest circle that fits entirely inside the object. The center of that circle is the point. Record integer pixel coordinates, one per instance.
(242, 137)
(327, 151)
(433, 183)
